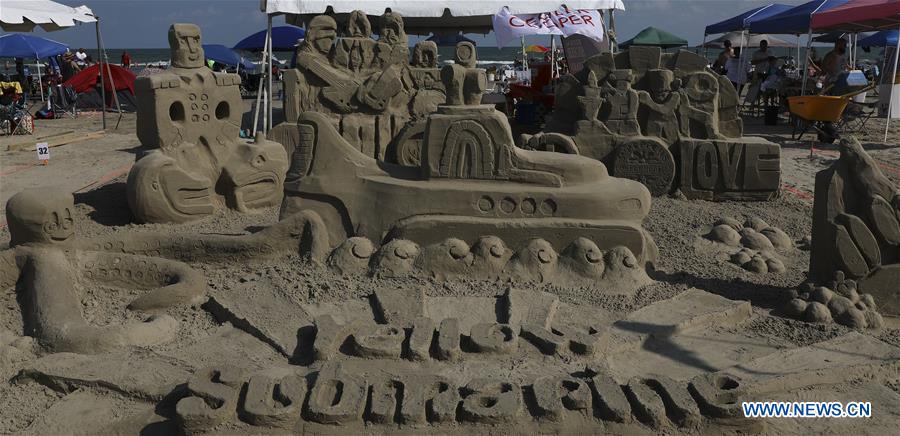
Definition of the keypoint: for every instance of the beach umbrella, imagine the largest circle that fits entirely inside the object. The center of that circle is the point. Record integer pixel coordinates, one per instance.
(17, 45)
(24, 15)
(227, 56)
(534, 48)
(87, 78)
(655, 37)
(284, 38)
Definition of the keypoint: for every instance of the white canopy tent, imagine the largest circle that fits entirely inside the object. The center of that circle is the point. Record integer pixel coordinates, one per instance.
(24, 15)
(420, 17)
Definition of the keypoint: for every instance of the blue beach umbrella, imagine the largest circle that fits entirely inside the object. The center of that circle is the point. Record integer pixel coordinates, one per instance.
(227, 56)
(17, 45)
(284, 38)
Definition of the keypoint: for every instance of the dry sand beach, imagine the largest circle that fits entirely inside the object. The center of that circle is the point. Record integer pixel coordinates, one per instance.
(44, 394)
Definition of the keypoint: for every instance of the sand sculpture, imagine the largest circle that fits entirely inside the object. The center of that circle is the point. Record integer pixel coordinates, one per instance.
(652, 116)
(368, 89)
(856, 229)
(753, 245)
(48, 260)
(389, 368)
(471, 182)
(189, 119)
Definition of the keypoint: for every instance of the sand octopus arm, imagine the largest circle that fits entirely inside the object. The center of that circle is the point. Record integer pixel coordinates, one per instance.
(172, 282)
(52, 311)
(304, 232)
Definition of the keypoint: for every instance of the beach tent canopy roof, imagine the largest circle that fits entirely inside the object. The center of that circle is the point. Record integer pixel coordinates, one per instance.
(830, 37)
(87, 78)
(24, 15)
(795, 21)
(859, 15)
(880, 39)
(655, 37)
(17, 45)
(284, 38)
(748, 40)
(423, 17)
(227, 56)
(449, 40)
(742, 21)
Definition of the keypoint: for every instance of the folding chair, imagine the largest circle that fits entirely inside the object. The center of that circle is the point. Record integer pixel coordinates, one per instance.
(856, 115)
(65, 102)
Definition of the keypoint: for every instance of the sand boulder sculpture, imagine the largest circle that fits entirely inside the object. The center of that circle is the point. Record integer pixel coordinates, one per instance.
(654, 116)
(472, 181)
(368, 89)
(856, 230)
(190, 117)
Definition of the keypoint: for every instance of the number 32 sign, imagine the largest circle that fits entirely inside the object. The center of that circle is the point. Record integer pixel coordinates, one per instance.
(43, 153)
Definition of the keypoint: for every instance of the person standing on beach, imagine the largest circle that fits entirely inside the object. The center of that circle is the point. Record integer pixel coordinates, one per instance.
(126, 59)
(727, 53)
(736, 71)
(760, 59)
(835, 62)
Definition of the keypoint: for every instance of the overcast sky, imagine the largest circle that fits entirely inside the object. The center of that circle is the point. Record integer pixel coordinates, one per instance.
(143, 24)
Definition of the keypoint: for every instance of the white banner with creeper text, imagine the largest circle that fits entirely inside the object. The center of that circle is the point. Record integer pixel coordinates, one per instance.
(564, 21)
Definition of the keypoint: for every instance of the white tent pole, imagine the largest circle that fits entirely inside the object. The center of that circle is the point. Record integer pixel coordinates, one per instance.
(40, 80)
(741, 57)
(705, 49)
(806, 63)
(259, 90)
(271, 92)
(887, 122)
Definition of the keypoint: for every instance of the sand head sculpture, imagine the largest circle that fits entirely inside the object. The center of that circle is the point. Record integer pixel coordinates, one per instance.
(184, 42)
(40, 216)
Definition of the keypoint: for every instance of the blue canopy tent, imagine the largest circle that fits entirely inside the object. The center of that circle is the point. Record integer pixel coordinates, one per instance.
(17, 45)
(227, 56)
(284, 38)
(449, 40)
(740, 22)
(880, 39)
(794, 21)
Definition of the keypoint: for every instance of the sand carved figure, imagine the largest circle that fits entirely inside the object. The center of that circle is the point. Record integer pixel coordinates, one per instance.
(47, 269)
(687, 118)
(189, 119)
(368, 88)
(472, 180)
(658, 105)
(48, 261)
(856, 228)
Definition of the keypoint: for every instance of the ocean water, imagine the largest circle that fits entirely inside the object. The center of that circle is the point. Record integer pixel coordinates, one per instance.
(486, 55)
